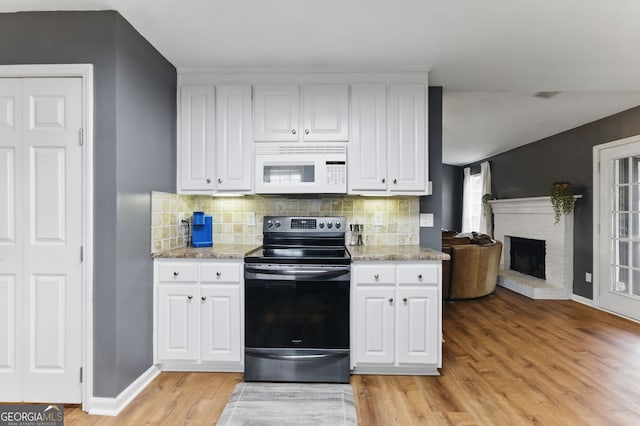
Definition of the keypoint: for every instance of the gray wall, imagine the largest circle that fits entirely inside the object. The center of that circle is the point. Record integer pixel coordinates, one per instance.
(530, 170)
(452, 177)
(432, 237)
(134, 152)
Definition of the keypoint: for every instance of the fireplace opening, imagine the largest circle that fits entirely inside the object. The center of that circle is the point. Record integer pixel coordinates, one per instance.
(528, 256)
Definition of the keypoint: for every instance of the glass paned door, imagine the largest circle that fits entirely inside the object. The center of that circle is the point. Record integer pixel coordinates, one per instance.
(617, 252)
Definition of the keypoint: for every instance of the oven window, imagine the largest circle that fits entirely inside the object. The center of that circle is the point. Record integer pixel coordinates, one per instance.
(296, 314)
(289, 173)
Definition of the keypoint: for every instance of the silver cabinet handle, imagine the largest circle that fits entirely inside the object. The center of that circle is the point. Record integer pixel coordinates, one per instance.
(218, 274)
(176, 273)
(376, 276)
(190, 297)
(395, 181)
(306, 131)
(404, 300)
(391, 300)
(419, 276)
(205, 298)
(219, 180)
(208, 180)
(293, 131)
(383, 180)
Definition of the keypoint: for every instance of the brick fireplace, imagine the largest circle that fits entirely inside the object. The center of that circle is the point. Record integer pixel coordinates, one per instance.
(533, 218)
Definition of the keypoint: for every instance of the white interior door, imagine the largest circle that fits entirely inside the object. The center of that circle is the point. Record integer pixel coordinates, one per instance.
(43, 237)
(618, 250)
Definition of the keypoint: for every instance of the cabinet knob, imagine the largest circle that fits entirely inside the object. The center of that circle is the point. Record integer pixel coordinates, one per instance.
(205, 298)
(208, 180)
(190, 297)
(383, 180)
(404, 300)
(219, 180)
(395, 181)
(176, 273)
(218, 274)
(293, 131)
(376, 276)
(391, 300)
(419, 276)
(306, 131)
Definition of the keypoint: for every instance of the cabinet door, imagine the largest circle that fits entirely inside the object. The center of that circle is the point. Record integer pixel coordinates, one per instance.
(326, 113)
(374, 325)
(234, 146)
(407, 144)
(221, 323)
(276, 113)
(418, 331)
(368, 144)
(197, 139)
(177, 322)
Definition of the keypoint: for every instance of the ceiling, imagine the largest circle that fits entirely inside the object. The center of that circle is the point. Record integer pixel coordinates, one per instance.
(490, 56)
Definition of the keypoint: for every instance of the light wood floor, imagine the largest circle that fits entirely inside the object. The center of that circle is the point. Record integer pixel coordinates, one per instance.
(507, 360)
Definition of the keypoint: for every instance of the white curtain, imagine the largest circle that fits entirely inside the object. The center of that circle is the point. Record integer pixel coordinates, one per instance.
(466, 201)
(485, 215)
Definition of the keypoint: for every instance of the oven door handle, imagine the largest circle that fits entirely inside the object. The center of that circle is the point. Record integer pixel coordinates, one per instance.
(307, 273)
(269, 355)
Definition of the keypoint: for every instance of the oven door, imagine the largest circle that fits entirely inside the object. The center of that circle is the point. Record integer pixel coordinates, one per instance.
(297, 323)
(297, 306)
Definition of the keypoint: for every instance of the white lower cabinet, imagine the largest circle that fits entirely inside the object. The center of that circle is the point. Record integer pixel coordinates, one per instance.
(198, 322)
(396, 318)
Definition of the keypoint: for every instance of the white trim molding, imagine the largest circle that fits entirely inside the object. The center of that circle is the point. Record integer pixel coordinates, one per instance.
(113, 406)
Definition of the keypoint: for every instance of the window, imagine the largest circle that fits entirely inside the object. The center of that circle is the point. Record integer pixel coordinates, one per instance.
(476, 201)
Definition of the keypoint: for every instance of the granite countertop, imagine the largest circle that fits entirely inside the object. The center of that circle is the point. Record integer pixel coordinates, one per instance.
(218, 251)
(358, 253)
(395, 252)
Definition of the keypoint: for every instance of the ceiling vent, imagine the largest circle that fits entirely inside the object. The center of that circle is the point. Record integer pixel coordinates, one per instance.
(546, 95)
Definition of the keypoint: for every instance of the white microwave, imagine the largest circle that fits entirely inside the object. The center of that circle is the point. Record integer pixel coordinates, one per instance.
(301, 168)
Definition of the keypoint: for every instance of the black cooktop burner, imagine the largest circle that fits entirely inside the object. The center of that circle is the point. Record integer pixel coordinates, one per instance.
(300, 255)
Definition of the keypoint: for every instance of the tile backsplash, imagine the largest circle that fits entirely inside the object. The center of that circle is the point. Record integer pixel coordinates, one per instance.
(400, 216)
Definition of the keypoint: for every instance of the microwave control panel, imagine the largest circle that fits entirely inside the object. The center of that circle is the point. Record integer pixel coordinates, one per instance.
(336, 173)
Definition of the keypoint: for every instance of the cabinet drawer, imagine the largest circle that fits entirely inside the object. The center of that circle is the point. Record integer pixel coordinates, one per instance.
(418, 274)
(177, 272)
(375, 274)
(215, 272)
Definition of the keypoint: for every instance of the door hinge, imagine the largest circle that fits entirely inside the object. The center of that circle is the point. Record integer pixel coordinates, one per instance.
(81, 253)
(81, 378)
(81, 136)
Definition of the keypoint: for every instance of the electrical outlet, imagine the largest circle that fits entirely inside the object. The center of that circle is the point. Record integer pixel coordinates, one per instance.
(378, 219)
(250, 219)
(587, 277)
(426, 220)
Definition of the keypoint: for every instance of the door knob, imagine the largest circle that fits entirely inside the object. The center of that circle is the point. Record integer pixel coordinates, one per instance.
(218, 274)
(383, 180)
(219, 180)
(376, 276)
(208, 180)
(203, 298)
(176, 273)
(293, 131)
(391, 300)
(190, 297)
(419, 276)
(395, 181)
(306, 131)
(404, 300)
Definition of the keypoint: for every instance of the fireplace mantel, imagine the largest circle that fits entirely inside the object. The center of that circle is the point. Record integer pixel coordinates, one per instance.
(533, 217)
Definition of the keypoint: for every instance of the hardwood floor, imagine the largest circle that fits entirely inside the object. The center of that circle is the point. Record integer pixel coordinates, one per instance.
(507, 360)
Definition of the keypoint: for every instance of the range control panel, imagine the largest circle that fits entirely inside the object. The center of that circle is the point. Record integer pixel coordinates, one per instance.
(303, 224)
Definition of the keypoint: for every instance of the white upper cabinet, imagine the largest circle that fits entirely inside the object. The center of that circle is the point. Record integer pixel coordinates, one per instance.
(234, 145)
(368, 145)
(196, 156)
(276, 113)
(388, 150)
(215, 148)
(324, 110)
(326, 113)
(407, 138)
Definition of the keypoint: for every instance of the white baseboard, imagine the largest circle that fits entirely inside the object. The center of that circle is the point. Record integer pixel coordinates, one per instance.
(113, 406)
(582, 300)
